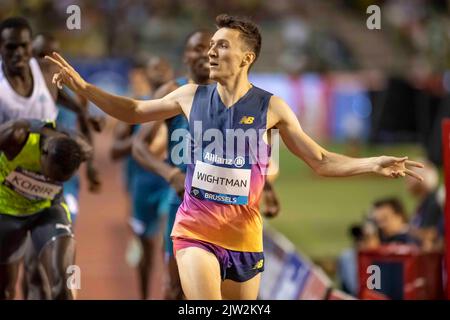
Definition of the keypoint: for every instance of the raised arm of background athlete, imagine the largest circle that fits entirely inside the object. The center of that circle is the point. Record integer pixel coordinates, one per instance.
(85, 128)
(173, 175)
(125, 109)
(123, 140)
(146, 158)
(326, 163)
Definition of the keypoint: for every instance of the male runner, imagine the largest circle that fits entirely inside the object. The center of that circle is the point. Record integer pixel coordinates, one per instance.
(218, 229)
(26, 83)
(195, 57)
(35, 159)
(148, 192)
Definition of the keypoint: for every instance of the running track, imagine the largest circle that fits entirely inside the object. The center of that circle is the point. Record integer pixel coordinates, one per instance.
(102, 233)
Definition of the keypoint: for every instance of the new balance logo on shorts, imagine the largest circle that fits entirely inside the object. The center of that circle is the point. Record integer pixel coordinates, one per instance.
(259, 264)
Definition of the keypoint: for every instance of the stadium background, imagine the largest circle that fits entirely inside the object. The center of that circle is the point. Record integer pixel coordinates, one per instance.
(358, 91)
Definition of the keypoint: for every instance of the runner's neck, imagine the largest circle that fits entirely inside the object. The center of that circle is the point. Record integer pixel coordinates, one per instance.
(230, 93)
(21, 83)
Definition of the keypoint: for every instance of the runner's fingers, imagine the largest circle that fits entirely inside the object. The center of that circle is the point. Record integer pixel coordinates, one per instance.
(413, 174)
(397, 174)
(55, 77)
(400, 159)
(414, 164)
(61, 60)
(59, 64)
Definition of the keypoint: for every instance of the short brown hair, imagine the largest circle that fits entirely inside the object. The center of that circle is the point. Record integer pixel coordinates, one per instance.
(248, 29)
(395, 204)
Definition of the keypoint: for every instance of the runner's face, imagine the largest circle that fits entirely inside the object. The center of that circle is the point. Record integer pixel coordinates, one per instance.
(386, 219)
(196, 54)
(15, 49)
(226, 54)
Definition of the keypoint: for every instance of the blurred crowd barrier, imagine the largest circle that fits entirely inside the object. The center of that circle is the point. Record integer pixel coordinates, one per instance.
(405, 273)
(290, 275)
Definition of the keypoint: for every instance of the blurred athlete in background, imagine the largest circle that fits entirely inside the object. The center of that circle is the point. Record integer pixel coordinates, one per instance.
(148, 192)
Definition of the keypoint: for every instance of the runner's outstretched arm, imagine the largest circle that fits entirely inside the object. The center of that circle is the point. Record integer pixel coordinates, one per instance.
(326, 163)
(122, 108)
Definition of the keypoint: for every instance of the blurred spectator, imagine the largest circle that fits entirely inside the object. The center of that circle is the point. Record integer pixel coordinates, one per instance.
(427, 221)
(364, 236)
(158, 71)
(138, 83)
(390, 216)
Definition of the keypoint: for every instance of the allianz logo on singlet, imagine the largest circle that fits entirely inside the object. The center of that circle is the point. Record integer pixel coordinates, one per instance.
(231, 147)
(239, 161)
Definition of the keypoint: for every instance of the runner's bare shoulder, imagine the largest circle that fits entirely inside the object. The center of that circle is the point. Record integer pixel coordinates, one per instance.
(184, 96)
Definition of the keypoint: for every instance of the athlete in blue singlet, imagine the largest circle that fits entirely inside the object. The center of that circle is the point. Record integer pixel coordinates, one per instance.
(147, 191)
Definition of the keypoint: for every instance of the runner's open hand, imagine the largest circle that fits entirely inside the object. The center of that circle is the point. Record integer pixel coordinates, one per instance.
(66, 75)
(396, 167)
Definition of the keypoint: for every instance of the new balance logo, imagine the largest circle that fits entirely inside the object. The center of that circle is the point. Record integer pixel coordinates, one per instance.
(259, 265)
(246, 120)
